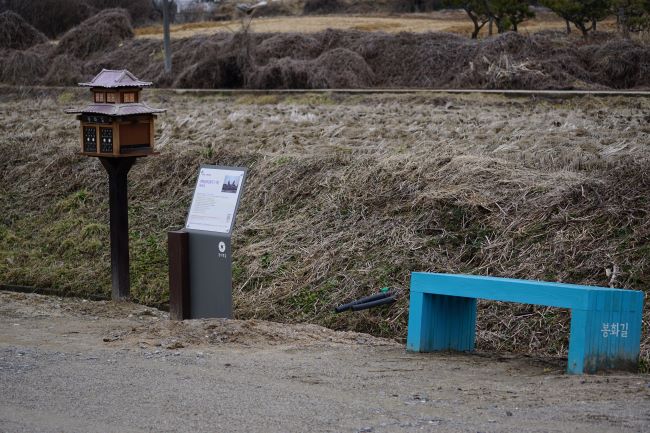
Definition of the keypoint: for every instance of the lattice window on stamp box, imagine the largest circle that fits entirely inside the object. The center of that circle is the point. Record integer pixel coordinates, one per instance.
(106, 137)
(90, 139)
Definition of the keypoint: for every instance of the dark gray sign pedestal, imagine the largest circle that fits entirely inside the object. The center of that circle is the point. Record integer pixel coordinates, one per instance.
(200, 255)
(210, 274)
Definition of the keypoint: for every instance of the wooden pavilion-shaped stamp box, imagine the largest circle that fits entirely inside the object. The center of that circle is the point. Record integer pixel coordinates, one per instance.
(116, 123)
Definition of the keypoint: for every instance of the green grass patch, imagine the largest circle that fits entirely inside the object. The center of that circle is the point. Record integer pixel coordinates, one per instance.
(149, 268)
(258, 99)
(310, 99)
(308, 300)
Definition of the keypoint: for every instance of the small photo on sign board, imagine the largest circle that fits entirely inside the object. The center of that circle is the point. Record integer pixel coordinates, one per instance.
(216, 199)
(231, 184)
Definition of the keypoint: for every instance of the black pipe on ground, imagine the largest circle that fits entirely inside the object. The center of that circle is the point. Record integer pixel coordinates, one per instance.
(363, 300)
(366, 305)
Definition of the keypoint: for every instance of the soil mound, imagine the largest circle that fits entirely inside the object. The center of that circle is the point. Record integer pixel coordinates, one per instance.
(102, 32)
(18, 34)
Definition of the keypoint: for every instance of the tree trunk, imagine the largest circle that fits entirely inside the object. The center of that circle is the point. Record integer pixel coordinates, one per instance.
(568, 27)
(477, 27)
(500, 27)
(583, 29)
(490, 28)
(475, 32)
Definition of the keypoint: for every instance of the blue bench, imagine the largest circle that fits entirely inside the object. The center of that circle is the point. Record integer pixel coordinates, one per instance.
(605, 323)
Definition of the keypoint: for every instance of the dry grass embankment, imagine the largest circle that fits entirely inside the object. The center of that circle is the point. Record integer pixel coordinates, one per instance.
(347, 194)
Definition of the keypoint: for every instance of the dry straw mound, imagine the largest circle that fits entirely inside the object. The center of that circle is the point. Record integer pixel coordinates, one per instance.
(622, 63)
(140, 56)
(284, 73)
(224, 72)
(102, 32)
(63, 70)
(294, 45)
(22, 67)
(335, 69)
(354, 59)
(341, 68)
(441, 60)
(214, 63)
(18, 34)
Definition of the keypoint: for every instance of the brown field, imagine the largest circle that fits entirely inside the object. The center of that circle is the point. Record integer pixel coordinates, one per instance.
(445, 21)
(348, 194)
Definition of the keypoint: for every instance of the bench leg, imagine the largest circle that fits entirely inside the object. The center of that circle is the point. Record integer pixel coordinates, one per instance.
(439, 322)
(604, 340)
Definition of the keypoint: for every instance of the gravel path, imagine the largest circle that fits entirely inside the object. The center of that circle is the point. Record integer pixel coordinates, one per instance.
(68, 365)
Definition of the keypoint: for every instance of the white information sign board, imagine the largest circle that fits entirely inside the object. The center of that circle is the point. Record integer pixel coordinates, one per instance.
(215, 200)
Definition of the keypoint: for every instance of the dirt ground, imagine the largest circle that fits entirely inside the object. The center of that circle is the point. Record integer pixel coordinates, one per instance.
(81, 366)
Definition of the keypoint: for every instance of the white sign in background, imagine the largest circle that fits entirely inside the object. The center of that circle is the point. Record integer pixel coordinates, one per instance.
(215, 200)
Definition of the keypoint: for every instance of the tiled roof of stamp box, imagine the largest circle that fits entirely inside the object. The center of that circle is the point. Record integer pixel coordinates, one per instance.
(112, 79)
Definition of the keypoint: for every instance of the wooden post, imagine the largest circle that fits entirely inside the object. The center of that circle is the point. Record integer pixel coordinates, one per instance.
(118, 170)
(179, 275)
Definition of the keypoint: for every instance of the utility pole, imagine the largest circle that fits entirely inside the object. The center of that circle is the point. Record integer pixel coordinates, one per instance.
(166, 43)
